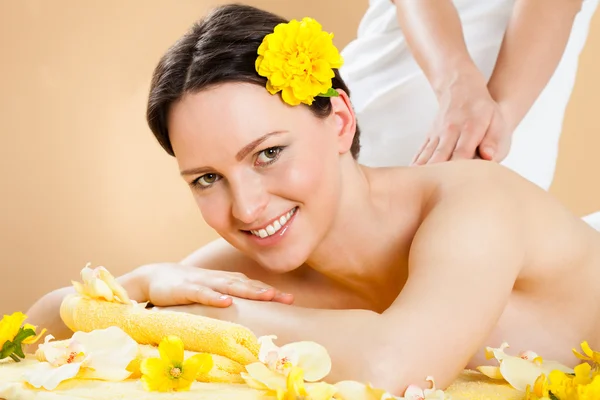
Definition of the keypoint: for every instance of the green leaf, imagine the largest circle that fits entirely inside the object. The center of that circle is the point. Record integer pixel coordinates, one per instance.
(19, 350)
(7, 349)
(23, 334)
(330, 93)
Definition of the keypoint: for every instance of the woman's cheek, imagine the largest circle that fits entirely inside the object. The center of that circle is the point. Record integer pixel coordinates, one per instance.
(215, 209)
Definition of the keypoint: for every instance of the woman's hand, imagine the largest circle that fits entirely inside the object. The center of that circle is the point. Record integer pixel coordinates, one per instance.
(469, 123)
(171, 284)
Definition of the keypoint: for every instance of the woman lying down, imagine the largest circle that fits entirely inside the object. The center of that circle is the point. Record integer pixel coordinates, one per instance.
(400, 273)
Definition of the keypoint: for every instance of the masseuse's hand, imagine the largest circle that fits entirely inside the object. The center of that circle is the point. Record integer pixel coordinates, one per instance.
(469, 124)
(170, 284)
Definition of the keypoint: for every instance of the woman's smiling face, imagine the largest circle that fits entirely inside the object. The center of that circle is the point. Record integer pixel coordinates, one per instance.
(266, 176)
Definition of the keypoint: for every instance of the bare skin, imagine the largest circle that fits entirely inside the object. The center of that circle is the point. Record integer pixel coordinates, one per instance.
(558, 274)
(400, 273)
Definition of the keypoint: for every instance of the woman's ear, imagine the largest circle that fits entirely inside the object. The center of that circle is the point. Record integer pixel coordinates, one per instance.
(344, 119)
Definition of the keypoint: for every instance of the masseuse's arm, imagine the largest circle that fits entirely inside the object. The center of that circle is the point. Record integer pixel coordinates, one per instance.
(461, 276)
(434, 35)
(534, 42)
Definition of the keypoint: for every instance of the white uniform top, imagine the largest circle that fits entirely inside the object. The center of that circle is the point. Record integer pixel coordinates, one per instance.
(396, 106)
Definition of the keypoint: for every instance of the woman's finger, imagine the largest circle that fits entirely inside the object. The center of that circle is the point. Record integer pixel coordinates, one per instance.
(244, 288)
(205, 295)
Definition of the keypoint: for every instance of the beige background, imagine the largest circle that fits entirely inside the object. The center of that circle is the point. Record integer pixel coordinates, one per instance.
(82, 177)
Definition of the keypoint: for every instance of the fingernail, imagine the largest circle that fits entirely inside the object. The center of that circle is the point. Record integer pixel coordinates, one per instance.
(223, 297)
(489, 151)
(263, 290)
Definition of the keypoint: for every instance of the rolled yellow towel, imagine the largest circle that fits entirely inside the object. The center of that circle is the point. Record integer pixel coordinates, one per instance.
(147, 326)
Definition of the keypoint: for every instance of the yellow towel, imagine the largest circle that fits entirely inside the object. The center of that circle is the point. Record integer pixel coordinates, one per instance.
(236, 345)
(472, 385)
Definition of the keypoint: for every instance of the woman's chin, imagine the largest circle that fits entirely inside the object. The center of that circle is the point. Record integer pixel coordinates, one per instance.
(281, 263)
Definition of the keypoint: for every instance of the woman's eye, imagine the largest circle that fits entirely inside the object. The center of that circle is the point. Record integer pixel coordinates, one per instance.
(207, 180)
(269, 155)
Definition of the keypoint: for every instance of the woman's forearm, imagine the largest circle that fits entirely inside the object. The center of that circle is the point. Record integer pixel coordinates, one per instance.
(45, 312)
(533, 45)
(434, 35)
(348, 335)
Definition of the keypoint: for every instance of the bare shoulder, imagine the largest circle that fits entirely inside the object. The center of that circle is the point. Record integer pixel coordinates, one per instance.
(487, 198)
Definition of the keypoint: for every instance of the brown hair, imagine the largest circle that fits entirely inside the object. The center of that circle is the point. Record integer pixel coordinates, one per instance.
(222, 47)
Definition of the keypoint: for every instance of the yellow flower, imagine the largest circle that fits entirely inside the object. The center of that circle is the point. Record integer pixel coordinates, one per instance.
(13, 335)
(590, 391)
(540, 389)
(298, 59)
(171, 371)
(290, 387)
(98, 283)
(589, 354)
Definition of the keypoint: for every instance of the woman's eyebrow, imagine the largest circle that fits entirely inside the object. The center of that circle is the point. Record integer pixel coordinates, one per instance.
(239, 156)
(252, 145)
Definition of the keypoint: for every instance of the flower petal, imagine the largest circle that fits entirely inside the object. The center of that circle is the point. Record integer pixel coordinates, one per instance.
(100, 290)
(171, 350)
(321, 390)
(587, 350)
(155, 375)
(414, 392)
(33, 339)
(267, 347)
(46, 376)
(10, 325)
(519, 373)
(109, 352)
(295, 384)
(272, 380)
(253, 383)
(311, 357)
(154, 367)
(491, 372)
(114, 286)
(352, 390)
(197, 364)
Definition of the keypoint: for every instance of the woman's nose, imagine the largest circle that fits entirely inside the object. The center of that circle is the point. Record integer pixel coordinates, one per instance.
(249, 200)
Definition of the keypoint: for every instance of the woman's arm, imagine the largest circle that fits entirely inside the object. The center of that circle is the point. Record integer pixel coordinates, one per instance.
(461, 276)
(533, 45)
(45, 312)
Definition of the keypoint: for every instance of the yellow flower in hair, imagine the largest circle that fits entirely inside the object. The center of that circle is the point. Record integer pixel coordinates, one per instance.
(298, 59)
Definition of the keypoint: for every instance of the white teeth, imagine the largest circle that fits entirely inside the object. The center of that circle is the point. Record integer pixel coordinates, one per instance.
(275, 226)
